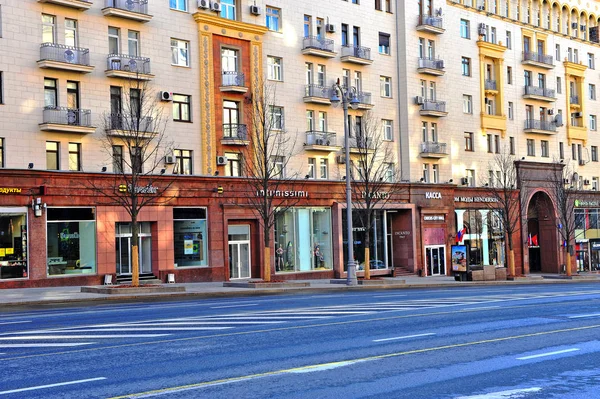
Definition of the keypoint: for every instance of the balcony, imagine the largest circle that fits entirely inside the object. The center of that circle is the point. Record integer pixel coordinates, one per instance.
(127, 126)
(128, 67)
(235, 134)
(491, 88)
(539, 127)
(538, 59)
(317, 94)
(574, 102)
(136, 10)
(321, 141)
(430, 24)
(66, 58)
(361, 144)
(433, 108)
(312, 45)
(356, 55)
(539, 93)
(431, 66)
(431, 149)
(364, 100)
(67, 120)
(233, 82)
(77, 4)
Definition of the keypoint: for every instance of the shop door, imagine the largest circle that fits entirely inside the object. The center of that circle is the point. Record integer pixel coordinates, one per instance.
(435, 260)
(123, 247)
(239, 251)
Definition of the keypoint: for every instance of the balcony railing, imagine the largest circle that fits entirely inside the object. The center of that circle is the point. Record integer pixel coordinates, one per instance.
(139, 6)
(235, 131)
(67, 54)
(432, 105)
(127, 63)
(317, 43)
(361, 142)
(539, 91)
(431, 63)
(490, 85)
(364, 97)
(430, 147)
(317, 91)
(535, 124)
(131, 125)
(356, 51)
(320, 138)
(430, 20)
(575, 100)
(232, 78)
(538, 57)
(67, 116)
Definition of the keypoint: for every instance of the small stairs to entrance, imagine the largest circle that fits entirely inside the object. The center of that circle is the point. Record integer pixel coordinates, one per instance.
(400, 271)
(145, 278)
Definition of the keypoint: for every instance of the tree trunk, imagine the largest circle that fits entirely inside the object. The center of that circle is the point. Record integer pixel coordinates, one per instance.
(367, 264)
(267, 263)
(135, 254)
(568, 265)
(367, 274)
(511, 257)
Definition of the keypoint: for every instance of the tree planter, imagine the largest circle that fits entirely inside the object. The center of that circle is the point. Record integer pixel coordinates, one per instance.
(147, 289)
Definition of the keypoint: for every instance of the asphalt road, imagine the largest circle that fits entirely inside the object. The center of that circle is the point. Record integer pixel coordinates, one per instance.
(478, 342)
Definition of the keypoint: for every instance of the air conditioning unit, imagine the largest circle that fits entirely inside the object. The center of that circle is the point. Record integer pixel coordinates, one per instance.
(166, 96)
(550, 112)
(438, 12)
(221, 160)
(586, 182)
(255, 10)
(419, 100)
(320, 142)
(574, 25)
(215, 6)
(205, 4)
(341, 159)
(481, 29)
(577, 114)
(330, 28)
(558, 120)
(169, 159)
(464, 181)
(481, 8)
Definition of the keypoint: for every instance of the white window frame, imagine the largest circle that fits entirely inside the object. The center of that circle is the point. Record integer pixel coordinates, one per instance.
(179, 5)
(385, 86)
(274, 68)
(467, 104)
(273, 18)
(388, 129)
(177, 47)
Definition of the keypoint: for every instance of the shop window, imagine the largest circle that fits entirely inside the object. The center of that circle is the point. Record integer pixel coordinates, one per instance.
(190, 237)
(71, 241)
(483, 235)
(13, 243)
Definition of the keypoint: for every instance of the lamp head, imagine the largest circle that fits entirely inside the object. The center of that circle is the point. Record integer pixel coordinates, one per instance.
(104, 169)
(30, 166)
(162, 171)
(354, 101)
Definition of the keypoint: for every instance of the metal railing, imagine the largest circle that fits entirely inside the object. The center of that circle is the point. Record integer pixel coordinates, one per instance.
(430, 20)
(235, 131)
(139, 6)
(432, 105)
(317, 43)
(538, 57)
(364, 97)
(539, 91)
(131, 125)
(490, 85)
(356, 51)
(320, 138)
(574, 100)
(67, 116)
(232, 78)
(122, 62)
(540, 125)
(361, 142)
(317, 91)
(431, 63)
(430, 147)
(62, 53)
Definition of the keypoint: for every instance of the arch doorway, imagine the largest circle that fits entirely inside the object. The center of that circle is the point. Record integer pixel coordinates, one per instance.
(542, 235)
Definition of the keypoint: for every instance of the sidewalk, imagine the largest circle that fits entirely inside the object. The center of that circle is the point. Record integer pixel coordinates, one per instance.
(73, 294)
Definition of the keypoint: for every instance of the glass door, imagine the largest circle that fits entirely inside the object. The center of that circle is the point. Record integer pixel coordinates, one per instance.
(239, 251)
(435, 260)
(123, 248)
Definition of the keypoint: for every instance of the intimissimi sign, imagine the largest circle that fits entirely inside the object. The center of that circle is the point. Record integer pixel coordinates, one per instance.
(283, 193)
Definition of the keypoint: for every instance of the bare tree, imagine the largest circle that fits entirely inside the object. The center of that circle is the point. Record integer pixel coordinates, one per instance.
(134, 141)
(506, 200)
(376, 177)
(273, 187)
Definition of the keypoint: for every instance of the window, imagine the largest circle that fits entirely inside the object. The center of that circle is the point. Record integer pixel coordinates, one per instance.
(320, 75)
(511, 143)
(180, 5)
(274, 68)
(344, 34)
(137, 161)
(70, 32)
(490, 143)
(190, 237)
(497, 144)
(465, 30)
(425, 178)
(436, 173)
(595, 183)
(307, 26)
(466, 66)
(312, 163)
(491, 176)
(378, 5)
(470, 177)
(561, 150)
(50, 93)
(384, 43)
(273, 18)
(389, 173)
(545, 149)
(308, 72)
(277, 118)
(323, 168)
(467, 104)
(385, 86)
(527, 78)
(508, 39)
(117, 158)
(180, 55)
(277, 166)
(388, 5)
(74, 156)
(52, 155)
(183, 162)
(558, 85)
(574, 152)
(1, 152)
(592, 91)
(322, 121)
(593, 125)
(509, 75)
(234, 166)
(181, 108)
(133, 43)
(228, 9)
(469, 141)
(1, 87)
(113, 40)
(511, 113)
(231, 120)
(594, 153)
(591, 63)
(388, 130)
(310, 121)
(531, 147)
(557, 52)
(48, 28)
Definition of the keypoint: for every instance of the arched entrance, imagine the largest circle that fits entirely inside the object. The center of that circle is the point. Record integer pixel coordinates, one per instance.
(542, 235)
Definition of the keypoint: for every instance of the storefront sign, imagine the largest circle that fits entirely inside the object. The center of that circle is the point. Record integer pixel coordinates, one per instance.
(434, 218)
(587, 204)
(402, 234)
(10, 190)
(475, 199)
(283, 193)
(433, 195)
(376, 195)
(595, 245)
(149, 189)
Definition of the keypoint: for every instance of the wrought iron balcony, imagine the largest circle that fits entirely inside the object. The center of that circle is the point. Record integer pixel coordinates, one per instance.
(540, 126)
(359, 143)
(433, 108)
(130, 126)
(317, 94)
(431, 66)
(59, 56)
(131, 9)
(364, 100)
(431, 24)
(574, 100)
(356, 55)
(538, 59)
(491, 85)
(430, 149)
(233, 81)
(77, 4)
(321, 47)
(126, 66)
(539, 93)
(62, 119)
(320, 141)
(235, 133)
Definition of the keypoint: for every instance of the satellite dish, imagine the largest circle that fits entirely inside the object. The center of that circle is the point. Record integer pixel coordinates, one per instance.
(69, 55)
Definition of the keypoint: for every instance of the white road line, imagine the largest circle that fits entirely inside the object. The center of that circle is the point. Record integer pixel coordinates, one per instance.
(548, 354)
(15, 322)
(404, 337)
(192, 323)
(32, 337)
(59, 384)
(479, 308)
(233, 306)
(391, 295)
(323, 312)
(253, 318)
(46, 345)
(513, 393)
(585, 315)
(143, 329)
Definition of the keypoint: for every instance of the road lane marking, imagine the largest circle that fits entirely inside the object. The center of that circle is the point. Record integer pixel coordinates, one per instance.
(233, 306)
(15, 322)
(389, 295)
(46, 345)
(548, 354)
(479, 308)
(58, 384)
(140, 328)
(584, 315)
(404, 337)
(513, 393)
(191, 323)
(32, 337)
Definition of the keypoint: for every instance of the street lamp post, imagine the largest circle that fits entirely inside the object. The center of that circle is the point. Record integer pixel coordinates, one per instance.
(347, 96)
